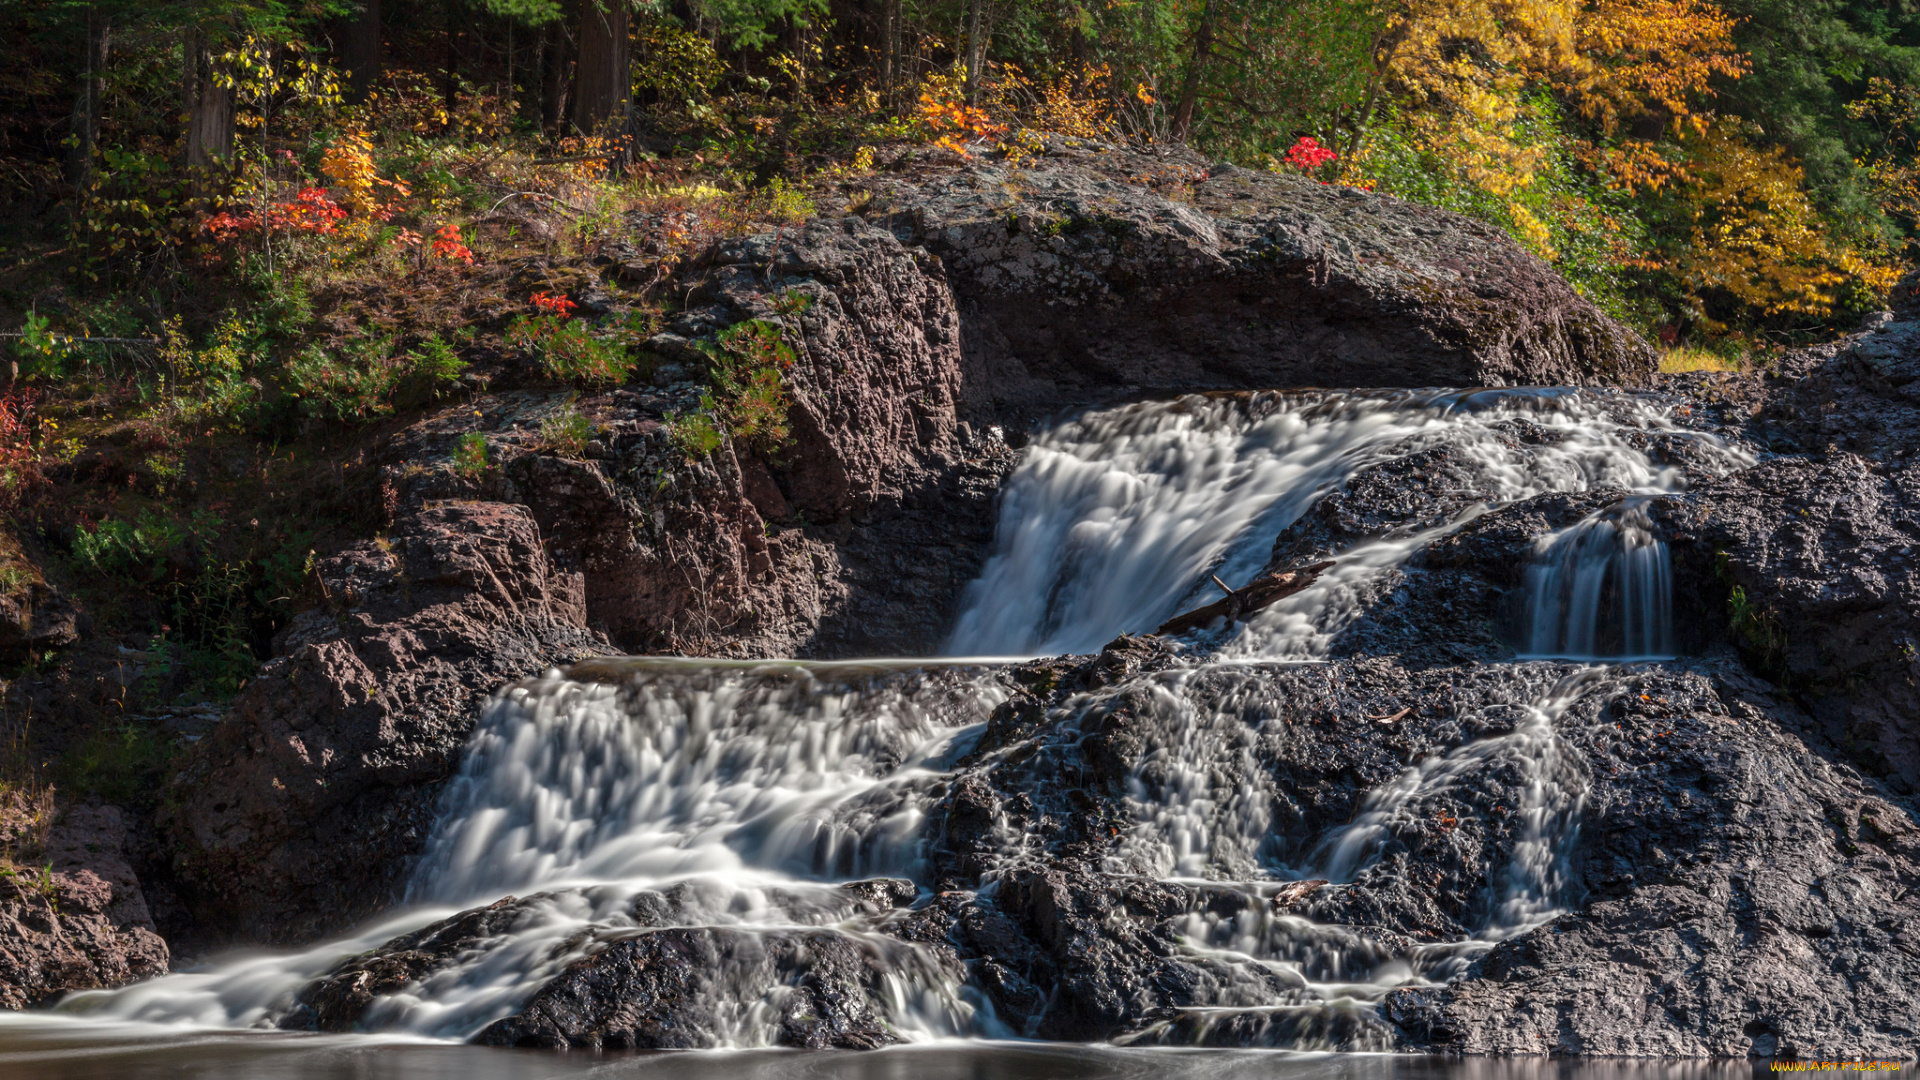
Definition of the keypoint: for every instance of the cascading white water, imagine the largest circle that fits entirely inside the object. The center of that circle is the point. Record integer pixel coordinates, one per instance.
(1602, 588)
(749, 791)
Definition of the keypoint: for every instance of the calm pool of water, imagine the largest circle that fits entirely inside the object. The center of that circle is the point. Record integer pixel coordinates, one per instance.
(52, 1049)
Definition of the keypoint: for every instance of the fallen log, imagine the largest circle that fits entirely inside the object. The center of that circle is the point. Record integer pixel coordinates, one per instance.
(1243, 601)
(1292, 893)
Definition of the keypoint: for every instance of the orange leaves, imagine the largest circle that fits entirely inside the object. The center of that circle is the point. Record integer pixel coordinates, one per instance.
(349, 164)
(447, 245)
(444, 244)
(951, 121)
(553, 304)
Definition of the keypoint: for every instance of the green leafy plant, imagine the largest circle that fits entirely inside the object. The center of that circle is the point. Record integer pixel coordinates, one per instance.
(566, 432)
(365, 378)
(696, 434)
(569, 351)
(747, 362)
(470, 455)
(134, 549)
(792, 302)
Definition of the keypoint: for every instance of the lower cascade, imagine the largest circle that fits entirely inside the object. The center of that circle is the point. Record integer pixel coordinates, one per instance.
(696, 854)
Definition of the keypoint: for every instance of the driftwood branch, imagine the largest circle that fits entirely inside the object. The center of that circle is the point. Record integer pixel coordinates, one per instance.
(1260, 593)
(1292, 893)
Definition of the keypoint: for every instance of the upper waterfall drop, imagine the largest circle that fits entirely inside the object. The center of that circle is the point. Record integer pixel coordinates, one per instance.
(1114, 520)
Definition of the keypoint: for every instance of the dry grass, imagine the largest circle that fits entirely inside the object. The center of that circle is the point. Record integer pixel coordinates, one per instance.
(1683, 359)
(26, 816)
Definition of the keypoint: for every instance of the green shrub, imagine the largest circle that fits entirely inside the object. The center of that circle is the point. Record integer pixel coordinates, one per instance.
(696, 434)
(135, 549)
(364, 378)
(566, 433)
(568, 351)
(470, 455)
(746, 364)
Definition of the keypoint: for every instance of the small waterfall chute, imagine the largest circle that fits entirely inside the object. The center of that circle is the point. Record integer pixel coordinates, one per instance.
(1601, 589)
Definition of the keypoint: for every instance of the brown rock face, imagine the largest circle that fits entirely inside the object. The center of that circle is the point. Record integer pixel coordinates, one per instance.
(1074, 279)
(79, 922)
(295, 816)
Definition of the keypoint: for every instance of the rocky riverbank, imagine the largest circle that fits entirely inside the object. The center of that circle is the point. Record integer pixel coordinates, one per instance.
(1738, 858)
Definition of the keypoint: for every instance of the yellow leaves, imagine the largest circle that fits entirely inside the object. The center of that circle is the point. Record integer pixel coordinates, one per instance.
(1652, 57)
(1533, 232)
(1753, 233)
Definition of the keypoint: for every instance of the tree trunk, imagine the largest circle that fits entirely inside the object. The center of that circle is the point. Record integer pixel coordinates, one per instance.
(360, 51)
(976, 54)
(450, 81)
(602, 86)
(553, 60)
(209, 107)
(93, 90)
(1189, 97)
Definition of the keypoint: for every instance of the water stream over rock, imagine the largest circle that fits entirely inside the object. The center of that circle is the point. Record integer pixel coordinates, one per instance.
(689, 854)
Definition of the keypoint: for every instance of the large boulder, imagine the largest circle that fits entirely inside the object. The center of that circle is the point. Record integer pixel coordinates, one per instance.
(1095, 268)
(297, 814)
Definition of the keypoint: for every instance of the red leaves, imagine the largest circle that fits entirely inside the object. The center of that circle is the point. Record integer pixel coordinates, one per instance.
(311, 211)
(553, 304)
(1308, 155)
(19, 464)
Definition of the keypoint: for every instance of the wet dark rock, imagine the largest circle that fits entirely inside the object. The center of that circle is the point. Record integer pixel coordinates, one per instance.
(1806, 562)
(296, 815)
(1719, 883)
(338, 1001)
(668, 989)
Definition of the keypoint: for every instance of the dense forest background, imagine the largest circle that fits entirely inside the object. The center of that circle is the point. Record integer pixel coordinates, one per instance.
(242, 239)
(1729, 175)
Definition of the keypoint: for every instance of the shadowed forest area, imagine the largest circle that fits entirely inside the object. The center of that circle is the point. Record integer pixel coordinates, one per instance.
(242, 242)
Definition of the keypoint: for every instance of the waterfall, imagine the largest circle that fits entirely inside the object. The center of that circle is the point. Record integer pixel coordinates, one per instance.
(628, 796)
(646, 793)
(1601, 589)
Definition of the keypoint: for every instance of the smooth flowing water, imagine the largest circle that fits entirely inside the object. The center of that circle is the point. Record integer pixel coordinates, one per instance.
(1602, 589)
(741, 795)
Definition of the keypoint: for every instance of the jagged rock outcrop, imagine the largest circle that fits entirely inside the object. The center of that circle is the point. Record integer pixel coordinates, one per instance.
(295, 815)
(76, 919)
(1806, 562)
